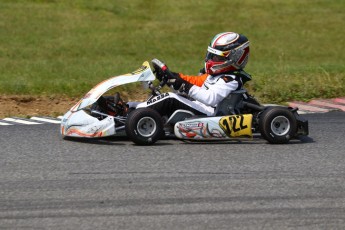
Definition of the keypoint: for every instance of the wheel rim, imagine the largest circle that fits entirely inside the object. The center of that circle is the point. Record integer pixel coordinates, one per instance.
(280, 125)
(146, 126)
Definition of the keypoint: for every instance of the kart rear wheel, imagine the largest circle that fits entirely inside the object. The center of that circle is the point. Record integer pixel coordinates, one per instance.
(277, 125)
(144, 126)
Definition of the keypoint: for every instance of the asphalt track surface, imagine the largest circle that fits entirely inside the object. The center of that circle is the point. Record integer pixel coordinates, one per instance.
(50, 183)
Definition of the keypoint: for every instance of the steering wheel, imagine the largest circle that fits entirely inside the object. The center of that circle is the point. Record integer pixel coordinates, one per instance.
(160, 69)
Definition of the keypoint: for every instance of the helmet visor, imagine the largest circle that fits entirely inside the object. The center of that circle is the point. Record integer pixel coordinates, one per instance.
(216, 55)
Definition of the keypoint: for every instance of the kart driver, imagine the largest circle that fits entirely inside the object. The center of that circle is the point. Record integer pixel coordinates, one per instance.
(226, 57)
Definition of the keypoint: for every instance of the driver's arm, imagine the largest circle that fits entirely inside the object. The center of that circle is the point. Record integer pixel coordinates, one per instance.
(195, 80)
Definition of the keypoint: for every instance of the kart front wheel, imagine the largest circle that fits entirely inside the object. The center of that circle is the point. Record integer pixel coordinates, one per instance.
(144, 126)
(277, 125)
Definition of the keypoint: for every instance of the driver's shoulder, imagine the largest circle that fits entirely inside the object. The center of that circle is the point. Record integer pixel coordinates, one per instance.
(238, 75)
(225, 77)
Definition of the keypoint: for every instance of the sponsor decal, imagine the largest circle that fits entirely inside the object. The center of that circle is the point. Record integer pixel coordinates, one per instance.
(191, 129)
(141, 69)
(192, 125)
(199, 130)
(159, 97)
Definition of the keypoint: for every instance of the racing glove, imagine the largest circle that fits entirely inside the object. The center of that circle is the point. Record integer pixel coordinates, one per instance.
(178, 83)
(172, 79)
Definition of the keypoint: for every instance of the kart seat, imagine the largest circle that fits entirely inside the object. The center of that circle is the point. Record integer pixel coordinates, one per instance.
(231, 104)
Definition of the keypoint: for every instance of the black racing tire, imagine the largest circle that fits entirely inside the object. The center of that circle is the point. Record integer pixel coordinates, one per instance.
(144, 126)
(277, 125)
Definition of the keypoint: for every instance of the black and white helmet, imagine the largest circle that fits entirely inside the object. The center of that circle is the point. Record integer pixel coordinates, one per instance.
(227, 51)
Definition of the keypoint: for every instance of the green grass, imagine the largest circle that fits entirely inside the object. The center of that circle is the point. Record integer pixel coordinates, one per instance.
(65, 47)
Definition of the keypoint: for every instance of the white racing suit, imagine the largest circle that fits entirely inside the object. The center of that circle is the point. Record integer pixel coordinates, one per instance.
(207, 91)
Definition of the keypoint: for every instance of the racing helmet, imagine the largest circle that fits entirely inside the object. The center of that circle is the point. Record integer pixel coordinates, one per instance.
(227, 51)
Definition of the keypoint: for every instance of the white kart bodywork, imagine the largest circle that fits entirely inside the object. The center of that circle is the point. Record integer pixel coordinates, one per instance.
(219, 127)
(78, 123)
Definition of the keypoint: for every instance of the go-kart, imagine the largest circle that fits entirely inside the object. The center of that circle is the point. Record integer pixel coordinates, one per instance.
(239, 115)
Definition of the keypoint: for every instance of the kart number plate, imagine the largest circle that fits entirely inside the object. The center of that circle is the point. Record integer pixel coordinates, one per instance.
(237, 125)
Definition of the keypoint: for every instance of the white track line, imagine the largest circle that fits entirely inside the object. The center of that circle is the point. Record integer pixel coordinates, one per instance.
(1, 123)
(21, 121)
(45, 120)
